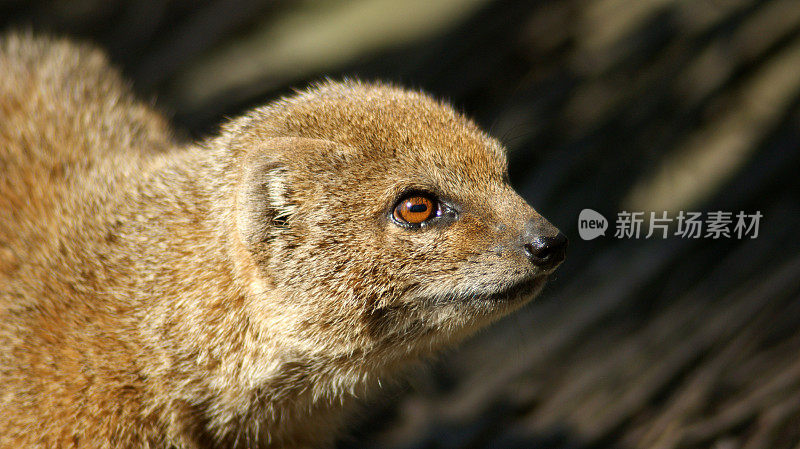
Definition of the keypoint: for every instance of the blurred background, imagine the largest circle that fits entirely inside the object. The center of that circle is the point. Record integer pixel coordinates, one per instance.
(612, 105)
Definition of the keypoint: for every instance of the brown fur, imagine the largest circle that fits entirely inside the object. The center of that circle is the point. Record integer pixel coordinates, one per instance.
(240, 291)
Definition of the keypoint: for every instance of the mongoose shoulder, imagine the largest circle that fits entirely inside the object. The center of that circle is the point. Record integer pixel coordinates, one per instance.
(241, 290)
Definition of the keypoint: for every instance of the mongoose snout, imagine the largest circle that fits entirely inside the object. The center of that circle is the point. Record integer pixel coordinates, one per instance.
(545, 249)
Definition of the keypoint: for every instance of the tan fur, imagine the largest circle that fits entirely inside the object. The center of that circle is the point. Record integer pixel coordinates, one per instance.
(239, 292)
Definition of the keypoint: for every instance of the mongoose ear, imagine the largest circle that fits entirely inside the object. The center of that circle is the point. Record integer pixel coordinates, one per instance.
(264, 202)
(266, 199)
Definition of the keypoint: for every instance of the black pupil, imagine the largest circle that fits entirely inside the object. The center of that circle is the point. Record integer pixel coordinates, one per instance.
(417, 208)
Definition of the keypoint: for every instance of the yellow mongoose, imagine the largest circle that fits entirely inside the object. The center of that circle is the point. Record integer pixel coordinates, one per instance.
(238, 292)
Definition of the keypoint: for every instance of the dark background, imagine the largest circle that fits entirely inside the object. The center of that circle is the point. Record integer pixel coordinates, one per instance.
(606, 104)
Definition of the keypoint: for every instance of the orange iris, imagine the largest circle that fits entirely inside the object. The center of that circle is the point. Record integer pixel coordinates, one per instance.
(414, 210)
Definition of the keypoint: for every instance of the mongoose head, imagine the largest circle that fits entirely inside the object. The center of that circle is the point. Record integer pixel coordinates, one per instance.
(377, 218)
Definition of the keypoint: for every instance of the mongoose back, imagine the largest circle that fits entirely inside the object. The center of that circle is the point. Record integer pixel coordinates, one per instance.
(241, 291)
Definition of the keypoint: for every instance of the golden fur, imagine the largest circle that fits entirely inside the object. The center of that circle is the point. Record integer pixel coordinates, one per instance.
(241, 291)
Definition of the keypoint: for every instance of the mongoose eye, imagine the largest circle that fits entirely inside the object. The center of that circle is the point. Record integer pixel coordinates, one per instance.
(415, 209)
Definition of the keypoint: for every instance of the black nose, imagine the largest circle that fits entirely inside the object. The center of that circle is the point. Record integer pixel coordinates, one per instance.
(547, 252)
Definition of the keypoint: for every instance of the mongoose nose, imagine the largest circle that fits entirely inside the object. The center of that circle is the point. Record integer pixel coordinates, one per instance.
(547, 252)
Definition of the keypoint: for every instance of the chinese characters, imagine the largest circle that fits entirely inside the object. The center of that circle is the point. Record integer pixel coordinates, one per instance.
(689, 225)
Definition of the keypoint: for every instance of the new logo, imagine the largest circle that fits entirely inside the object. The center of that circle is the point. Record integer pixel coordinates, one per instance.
(591, 224)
